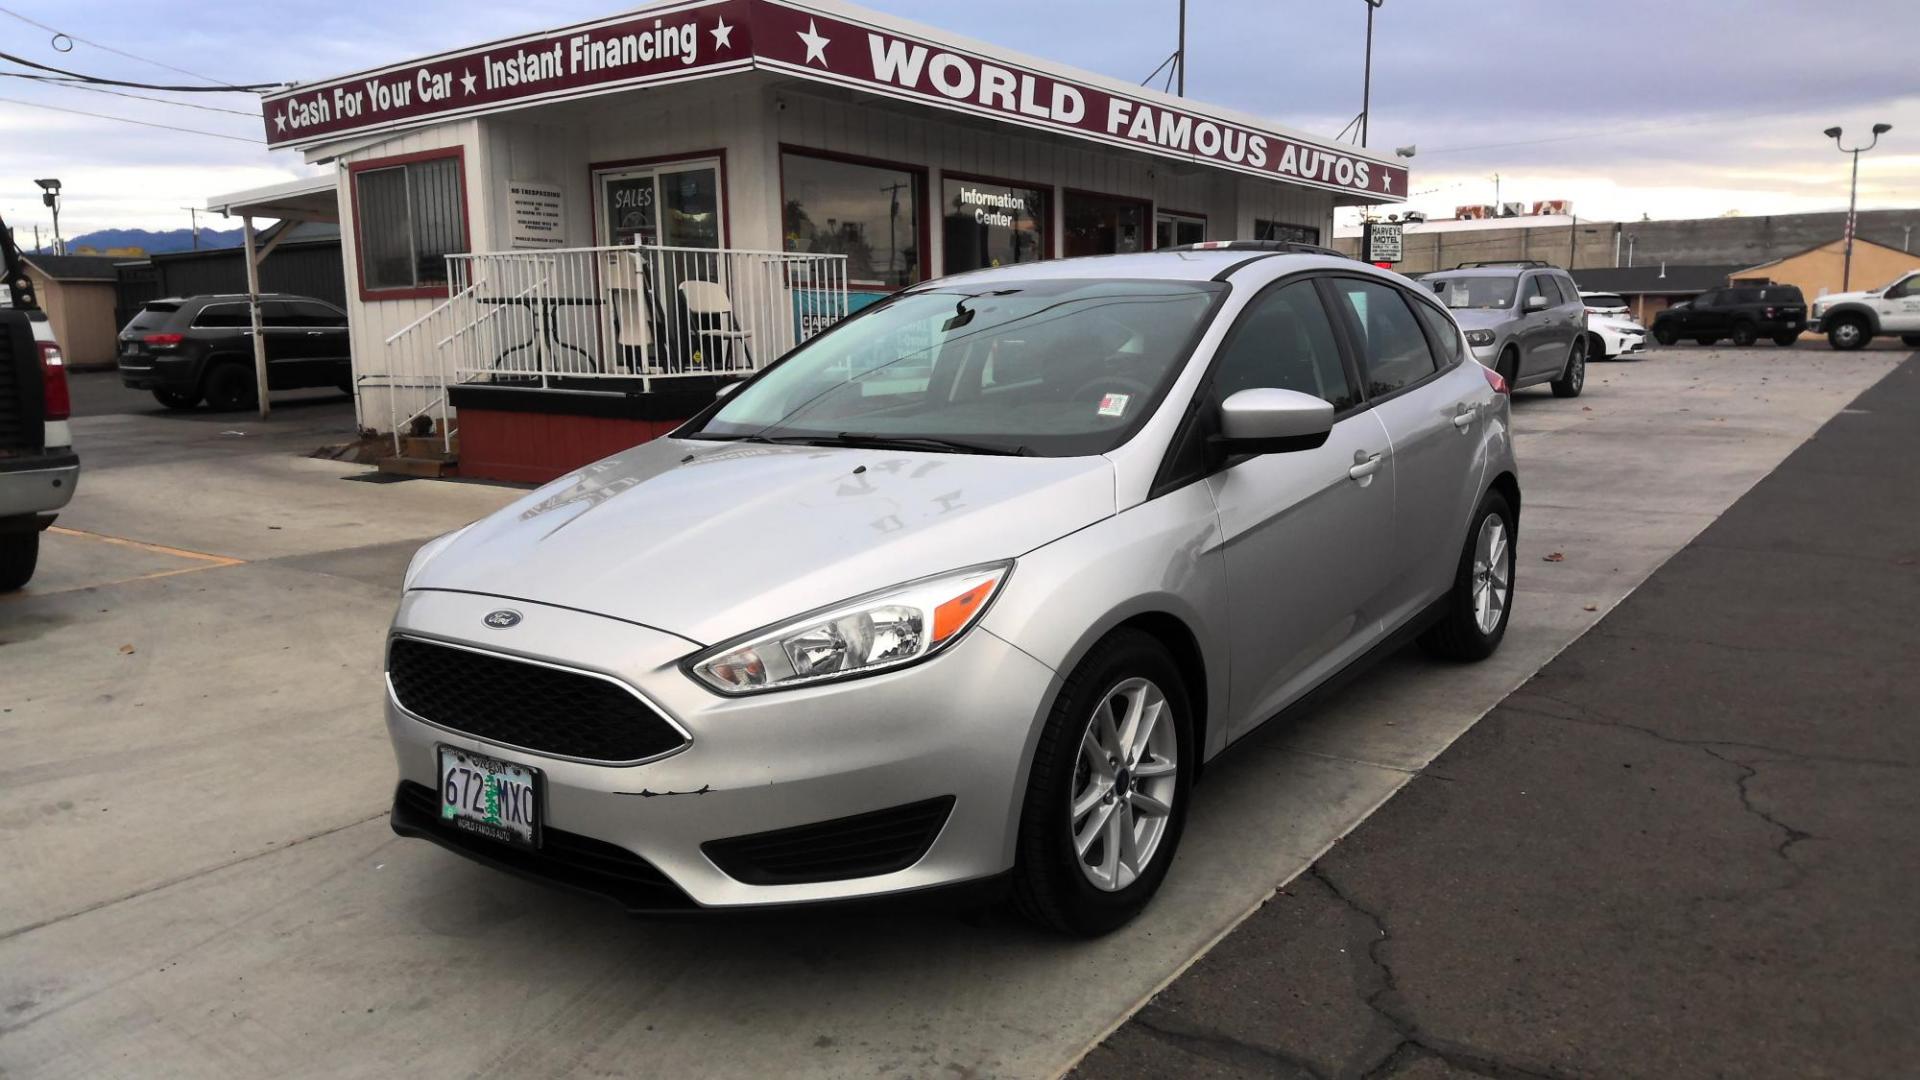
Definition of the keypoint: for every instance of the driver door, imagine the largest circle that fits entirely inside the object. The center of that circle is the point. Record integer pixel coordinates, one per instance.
(1308, 534)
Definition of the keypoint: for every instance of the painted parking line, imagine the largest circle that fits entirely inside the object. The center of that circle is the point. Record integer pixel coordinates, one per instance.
(197, 561)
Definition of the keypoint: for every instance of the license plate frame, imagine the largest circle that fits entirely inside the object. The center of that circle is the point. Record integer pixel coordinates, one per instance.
(469, 809)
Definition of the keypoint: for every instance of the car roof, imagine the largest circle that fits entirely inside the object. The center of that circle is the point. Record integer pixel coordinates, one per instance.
(1171, 264)
(208, 298)
(1487, 271)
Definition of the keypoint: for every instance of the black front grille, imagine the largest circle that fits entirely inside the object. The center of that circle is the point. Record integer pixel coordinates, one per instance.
(526, 705)
(563, 858)
(879, 842)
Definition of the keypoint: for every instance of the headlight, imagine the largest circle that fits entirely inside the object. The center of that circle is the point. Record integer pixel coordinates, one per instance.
(1479, 338)
(873, 633)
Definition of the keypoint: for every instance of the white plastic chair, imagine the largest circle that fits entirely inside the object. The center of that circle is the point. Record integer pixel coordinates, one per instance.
(710, 311)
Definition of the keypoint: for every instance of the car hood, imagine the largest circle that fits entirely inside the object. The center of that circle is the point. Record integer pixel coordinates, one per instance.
(1834, 298)
(711, 540)
(1482, 318)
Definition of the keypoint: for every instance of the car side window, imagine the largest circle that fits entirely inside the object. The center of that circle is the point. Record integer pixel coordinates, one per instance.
(223, 316)
(308, 313)
(1285, 340)
(1535, 285)
(1710, 298)
(1393, 351)
(1445, 335)
(1569, 292)
(1904, 288)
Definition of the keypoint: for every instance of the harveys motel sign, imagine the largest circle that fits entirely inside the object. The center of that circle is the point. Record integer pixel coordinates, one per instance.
(683, 42)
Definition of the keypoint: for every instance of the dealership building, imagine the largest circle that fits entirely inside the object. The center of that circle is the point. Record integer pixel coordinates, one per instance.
(561, 244)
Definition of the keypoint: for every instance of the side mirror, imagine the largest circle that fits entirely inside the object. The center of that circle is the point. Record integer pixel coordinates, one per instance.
(1536, 303)
(727, 389)
(1268, 420)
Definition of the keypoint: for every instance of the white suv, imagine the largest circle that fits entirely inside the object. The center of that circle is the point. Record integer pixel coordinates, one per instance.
(1612, 331)
(1851, 319)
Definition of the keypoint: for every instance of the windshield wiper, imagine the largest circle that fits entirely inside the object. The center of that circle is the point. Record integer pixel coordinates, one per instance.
(918, 442)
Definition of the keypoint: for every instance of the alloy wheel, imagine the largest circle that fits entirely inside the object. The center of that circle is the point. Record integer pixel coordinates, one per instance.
(1492, 573)
(1123, 784)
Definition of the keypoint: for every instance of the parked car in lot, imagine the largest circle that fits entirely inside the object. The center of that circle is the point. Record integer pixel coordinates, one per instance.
(201, 347)
(1853, 319)
(1524, 319)
(1612, 331)
(1743, 314)
(963, 591)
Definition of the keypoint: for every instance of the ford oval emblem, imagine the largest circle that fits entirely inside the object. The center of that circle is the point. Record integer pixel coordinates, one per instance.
(503, 619)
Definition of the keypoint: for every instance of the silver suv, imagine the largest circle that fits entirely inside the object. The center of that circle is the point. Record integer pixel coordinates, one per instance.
(962, 592)
(1524, 319)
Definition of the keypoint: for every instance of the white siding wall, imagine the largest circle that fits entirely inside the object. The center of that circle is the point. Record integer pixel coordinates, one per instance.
(749, 117)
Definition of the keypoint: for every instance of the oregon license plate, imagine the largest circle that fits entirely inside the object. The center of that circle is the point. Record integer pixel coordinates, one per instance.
(499, 800)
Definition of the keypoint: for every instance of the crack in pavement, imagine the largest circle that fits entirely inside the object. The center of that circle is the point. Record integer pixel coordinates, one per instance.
(1597, 718)
(1228, 1050)
(1412, 1041)
(1793, 835)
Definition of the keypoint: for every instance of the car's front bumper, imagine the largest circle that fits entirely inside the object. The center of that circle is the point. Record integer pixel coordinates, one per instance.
(959, 725)
(1620, 342)
(38, 485)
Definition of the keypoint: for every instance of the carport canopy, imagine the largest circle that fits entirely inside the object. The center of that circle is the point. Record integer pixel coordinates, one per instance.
(312, 198)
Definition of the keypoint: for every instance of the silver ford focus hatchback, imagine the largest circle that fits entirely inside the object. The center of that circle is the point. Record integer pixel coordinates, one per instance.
(962, 593)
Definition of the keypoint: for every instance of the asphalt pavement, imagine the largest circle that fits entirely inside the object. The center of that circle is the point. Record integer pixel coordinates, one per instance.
(1686, 847)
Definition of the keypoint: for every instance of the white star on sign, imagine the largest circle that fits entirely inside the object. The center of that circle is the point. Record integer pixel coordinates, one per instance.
(722, 35)
(467, 81)
(279, 121)
(1386, 181)
(816, 45)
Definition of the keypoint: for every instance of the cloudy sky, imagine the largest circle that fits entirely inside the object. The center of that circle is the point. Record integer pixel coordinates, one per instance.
(1668, 109)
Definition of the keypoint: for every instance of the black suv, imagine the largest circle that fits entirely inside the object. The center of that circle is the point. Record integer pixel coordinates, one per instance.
(1744, 313)
(199, 347)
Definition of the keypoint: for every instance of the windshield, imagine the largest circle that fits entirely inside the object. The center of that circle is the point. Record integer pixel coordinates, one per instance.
(1053, 368)
(1476, 291)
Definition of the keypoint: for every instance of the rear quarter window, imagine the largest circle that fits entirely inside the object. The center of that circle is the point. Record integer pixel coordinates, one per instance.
(153, 317)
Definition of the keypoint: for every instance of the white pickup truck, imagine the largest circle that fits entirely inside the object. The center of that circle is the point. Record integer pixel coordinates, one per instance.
(38, 468)
(1851, 319)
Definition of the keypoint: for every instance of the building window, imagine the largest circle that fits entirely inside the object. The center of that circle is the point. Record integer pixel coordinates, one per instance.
(1104, 224)
(631, 203)
(991, 224)
(411, 216)
(869, 213)
(1173, 229)
(1280, 230)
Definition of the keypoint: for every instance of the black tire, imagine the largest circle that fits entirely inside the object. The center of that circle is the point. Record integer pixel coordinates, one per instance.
(1785, 339)
(1508, 366)
(230, 388)
(1049, 886)
(1849, 332)
(175, 399)
(1457, 636)
(1910, 340)
(19, 554)
(1597, 348)
(1745, 334)
(1707, 339)
(1664, 334)
(1573, 377)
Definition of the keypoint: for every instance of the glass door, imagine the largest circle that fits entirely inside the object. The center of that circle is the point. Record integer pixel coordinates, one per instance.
(1172, 229)
(675, 205)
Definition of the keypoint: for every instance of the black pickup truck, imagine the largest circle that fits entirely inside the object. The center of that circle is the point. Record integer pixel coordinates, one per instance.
(1741, 313)
(38, 468)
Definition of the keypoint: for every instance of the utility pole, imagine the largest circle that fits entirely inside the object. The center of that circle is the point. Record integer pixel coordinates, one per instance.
(1180, 69)
(50, 196)
(193, 215)
(1853, 194)
(1366, 87)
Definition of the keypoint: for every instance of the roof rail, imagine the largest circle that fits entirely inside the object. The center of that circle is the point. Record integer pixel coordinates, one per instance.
(1281, 247)
(1486, 263)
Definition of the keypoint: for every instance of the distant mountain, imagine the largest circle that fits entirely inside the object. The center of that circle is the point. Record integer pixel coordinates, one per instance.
(148, 240)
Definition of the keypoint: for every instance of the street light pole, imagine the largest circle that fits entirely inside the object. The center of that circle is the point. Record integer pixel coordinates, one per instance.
(50, 195)
(1366, 87)
(1853, 195)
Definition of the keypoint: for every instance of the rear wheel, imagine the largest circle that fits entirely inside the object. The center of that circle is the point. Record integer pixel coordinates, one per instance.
(1106, 798)
(1482, 594)
(1849, 332)
(1785, 339)
(19, 554)
(1665, 335)
(1508, 366)
(1573, 377)
(230, 388)
(176, 399)
(1744, 334)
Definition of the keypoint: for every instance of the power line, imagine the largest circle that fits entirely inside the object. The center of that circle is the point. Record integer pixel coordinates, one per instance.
(130, 120)
(74, 84)
(108, 48)
(24, 62)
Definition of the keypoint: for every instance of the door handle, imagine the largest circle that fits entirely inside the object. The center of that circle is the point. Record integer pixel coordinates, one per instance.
(1463, 416)
(1364, 465)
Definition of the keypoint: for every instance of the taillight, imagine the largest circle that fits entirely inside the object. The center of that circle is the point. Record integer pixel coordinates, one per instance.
(1769, 313)
(1494, 380)
(164, 341)
(53, 377)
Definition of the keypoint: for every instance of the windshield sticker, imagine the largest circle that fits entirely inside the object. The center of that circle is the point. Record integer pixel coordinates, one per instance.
(1114, 404)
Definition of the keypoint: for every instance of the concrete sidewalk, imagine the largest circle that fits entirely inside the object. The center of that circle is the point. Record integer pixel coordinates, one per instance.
(1687, 847)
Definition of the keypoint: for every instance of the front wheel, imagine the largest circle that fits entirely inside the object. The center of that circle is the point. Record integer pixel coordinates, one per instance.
(1744, 334)
(1665, 335)
(1573, 378)
(230, 388)
(19, 555)
(1107, 796)
(1849, 333)
(1482, 596)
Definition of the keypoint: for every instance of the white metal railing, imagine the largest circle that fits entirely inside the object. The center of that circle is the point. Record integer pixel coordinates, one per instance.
(606, 319)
